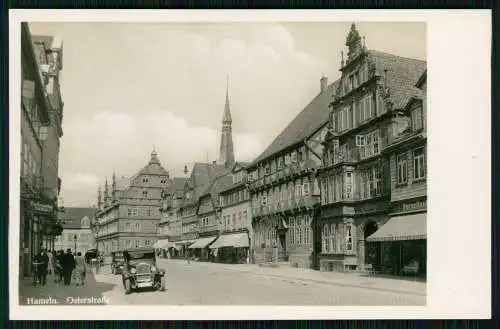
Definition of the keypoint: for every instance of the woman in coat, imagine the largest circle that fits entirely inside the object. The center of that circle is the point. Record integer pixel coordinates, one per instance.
(80, 269)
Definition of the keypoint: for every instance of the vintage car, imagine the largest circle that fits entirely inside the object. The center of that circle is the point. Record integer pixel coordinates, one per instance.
(140, 270)
(90, 254)
(117, 262)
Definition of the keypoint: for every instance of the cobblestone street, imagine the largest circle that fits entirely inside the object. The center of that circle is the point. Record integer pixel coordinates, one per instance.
(220, 284)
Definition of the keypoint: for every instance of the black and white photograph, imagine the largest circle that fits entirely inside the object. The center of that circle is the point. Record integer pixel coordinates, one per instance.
(225, 163)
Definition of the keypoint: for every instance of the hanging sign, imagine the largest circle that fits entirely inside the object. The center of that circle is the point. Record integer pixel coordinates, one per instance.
(41, 208)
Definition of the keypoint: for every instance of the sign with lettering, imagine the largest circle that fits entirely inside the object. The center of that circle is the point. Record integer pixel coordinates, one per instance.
(414, 205)
(419, 205)
(41, 207)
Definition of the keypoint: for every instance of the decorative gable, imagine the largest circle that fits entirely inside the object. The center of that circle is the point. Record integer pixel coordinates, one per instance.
(206, 205)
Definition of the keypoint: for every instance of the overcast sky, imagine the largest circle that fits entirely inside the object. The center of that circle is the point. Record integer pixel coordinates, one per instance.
(129, 86)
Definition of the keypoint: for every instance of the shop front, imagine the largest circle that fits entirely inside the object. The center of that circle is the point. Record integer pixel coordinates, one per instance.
(232, 248)
(402, 242)
(200, 248)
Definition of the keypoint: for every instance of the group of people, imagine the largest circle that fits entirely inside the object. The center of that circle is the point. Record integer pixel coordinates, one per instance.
(64, 265)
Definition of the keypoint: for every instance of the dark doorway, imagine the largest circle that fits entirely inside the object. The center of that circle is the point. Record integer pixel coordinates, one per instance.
(372, 249)
(282, 254)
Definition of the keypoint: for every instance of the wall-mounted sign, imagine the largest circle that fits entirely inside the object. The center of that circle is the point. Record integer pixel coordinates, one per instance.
(410, 206)
(41, 208)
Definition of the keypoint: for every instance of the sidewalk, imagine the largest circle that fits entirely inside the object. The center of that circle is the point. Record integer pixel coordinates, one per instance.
(357, 280)
(59, 294)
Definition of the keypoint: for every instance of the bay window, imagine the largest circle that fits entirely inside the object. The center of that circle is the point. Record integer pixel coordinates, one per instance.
(348, 185)
(349, 236)
(402, 168)
(328, 239)
(419, 163)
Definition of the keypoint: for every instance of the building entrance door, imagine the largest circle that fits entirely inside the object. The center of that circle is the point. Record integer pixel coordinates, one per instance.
(282, 253)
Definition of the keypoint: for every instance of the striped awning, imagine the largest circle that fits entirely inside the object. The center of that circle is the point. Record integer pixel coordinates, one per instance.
(202, 242)
(236, 240)
(400, 228)
(161, 244)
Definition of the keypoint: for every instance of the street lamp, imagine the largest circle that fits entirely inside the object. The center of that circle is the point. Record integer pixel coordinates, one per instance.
(75, 238)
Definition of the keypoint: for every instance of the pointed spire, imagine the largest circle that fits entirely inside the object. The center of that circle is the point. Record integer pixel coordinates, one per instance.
(106, 193)
(226, 118)
(99, 197)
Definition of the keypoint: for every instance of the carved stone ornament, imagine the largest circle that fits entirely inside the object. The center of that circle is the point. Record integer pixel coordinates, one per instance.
(353, 42)
(385, 94)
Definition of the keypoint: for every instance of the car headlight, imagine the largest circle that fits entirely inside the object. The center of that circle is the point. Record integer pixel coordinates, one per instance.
(153, 268)
(133, 270)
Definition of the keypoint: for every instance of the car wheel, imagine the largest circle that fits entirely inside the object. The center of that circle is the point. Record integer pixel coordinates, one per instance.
(163, 284)
(126, 285)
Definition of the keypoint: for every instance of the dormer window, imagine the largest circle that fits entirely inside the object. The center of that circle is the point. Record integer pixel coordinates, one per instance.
(416, 118)
(294, 157)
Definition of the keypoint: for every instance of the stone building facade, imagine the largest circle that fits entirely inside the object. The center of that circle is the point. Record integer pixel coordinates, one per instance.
(128, 213)
(41, 120)
(355, 174)
(77, 233)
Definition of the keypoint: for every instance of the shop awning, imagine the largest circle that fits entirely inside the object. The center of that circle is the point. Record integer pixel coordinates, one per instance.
(406, 227)
(202, 242)
(237, 240)
(161, 244)
(185, 242)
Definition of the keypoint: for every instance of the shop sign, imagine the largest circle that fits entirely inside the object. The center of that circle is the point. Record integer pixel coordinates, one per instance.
(411, 206)
(41, 208)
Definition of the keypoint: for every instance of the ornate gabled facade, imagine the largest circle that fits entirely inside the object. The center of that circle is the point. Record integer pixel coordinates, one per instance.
(283, 188)
(355, 175)
(130, 211)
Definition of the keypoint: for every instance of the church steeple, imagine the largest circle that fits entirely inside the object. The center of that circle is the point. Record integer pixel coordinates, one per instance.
(226, 156)
(99, 198)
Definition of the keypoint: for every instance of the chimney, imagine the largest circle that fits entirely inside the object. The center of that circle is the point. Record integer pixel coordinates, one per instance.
(323, 83)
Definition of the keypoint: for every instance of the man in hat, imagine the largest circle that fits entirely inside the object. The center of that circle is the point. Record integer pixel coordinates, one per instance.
(68, 266)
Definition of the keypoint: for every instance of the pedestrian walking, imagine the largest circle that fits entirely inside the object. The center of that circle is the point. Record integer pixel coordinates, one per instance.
(59, 266)
(68, 266)
(80, 269)
(50, 267)
(41, 264)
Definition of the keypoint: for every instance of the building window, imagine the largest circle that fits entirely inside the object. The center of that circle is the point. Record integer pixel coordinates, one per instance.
(369, 145)
(328, 238)
(402, 167)
(294, 157)
(298, 189)
(145, 194)
(137, 243)
(146, 243)
(416, 119)
(144, 180)
(264, 199)
(370, 183)
(137, 227)
(305, 188)
(419, 163)
(245, 219)
(349, 237)
(348, 185)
